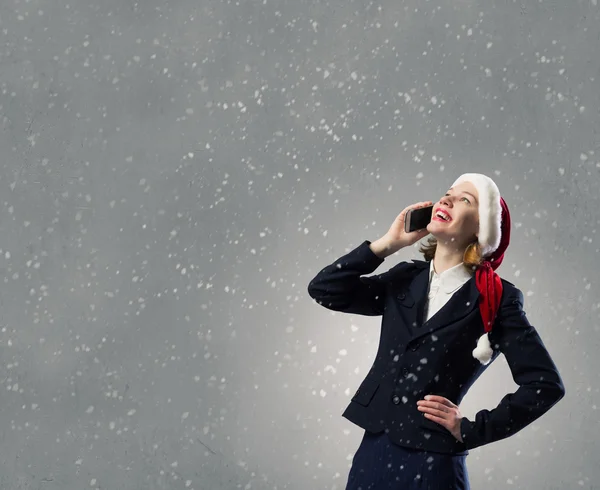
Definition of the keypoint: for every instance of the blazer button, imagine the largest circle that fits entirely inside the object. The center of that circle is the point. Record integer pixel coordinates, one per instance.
(396, 399)
(405, 372)
(414, 347)
(402, 295)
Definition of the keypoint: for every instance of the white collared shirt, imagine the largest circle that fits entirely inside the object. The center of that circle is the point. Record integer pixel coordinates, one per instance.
(443, 286)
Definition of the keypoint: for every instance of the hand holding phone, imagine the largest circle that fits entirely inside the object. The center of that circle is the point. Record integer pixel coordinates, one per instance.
(400, 233)
(417, 218)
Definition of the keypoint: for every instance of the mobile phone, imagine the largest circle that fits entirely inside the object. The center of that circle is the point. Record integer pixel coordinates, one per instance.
(417, 219)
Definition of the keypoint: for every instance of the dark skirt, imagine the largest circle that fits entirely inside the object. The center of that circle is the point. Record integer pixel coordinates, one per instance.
(379, 464)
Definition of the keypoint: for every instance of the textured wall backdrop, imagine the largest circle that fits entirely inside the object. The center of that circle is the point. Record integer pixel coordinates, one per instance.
(173, 174)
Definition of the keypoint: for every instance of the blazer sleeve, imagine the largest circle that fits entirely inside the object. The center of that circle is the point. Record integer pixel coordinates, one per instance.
(532, 368)
(340, 287)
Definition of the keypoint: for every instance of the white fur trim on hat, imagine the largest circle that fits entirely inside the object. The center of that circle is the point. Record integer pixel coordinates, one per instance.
(483, 352)
(490, 211)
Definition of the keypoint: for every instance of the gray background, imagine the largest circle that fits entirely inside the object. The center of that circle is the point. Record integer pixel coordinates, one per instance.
(173, 174)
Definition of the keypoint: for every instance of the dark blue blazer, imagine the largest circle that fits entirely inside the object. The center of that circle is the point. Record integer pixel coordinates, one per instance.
(417, 358)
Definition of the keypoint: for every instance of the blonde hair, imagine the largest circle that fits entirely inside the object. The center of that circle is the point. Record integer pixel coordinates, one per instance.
(472, 257)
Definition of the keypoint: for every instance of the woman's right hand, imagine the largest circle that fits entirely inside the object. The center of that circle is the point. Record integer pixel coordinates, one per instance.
(396, 237)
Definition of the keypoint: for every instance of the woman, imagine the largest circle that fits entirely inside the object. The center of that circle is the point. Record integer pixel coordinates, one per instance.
(444, 320)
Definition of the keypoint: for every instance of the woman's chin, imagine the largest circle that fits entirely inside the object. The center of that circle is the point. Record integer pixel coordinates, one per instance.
(442, 236)
(436, 230)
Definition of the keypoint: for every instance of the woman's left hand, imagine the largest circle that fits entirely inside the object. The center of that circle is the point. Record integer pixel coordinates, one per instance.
(442, 411)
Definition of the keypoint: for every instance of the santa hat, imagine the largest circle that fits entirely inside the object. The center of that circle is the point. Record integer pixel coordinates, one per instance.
(494, 237)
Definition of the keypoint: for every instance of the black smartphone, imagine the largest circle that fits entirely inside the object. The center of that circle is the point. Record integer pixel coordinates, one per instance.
(417, 219)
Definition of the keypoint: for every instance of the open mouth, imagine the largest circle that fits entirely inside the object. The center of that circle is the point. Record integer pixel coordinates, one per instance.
(441, 215)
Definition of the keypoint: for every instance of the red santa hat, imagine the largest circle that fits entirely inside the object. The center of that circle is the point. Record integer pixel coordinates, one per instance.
(493, 237)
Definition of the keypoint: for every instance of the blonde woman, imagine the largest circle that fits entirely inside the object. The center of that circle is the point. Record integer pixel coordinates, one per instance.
(444, 321)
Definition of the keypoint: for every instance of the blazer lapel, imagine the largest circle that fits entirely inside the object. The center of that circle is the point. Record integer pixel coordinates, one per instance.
(419, 289)
(462, 302)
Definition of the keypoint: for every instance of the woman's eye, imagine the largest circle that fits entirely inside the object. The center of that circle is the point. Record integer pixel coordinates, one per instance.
(446, 195)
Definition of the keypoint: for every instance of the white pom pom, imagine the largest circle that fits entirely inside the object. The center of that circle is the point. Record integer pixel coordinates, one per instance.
(483, 352)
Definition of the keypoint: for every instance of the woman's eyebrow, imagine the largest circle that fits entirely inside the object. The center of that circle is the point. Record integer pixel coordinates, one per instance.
(466, 192)
(474, 198)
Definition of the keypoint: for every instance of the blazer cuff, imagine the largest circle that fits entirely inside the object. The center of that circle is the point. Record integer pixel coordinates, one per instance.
(468, 433)
(364, 255)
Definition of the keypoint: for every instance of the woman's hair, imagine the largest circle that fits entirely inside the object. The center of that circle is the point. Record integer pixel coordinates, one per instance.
(472, 257)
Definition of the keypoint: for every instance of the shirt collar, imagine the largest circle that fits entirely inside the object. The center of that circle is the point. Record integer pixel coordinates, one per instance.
(450, 280)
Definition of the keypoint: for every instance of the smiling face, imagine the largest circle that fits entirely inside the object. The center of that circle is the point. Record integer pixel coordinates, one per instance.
(460, 225)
